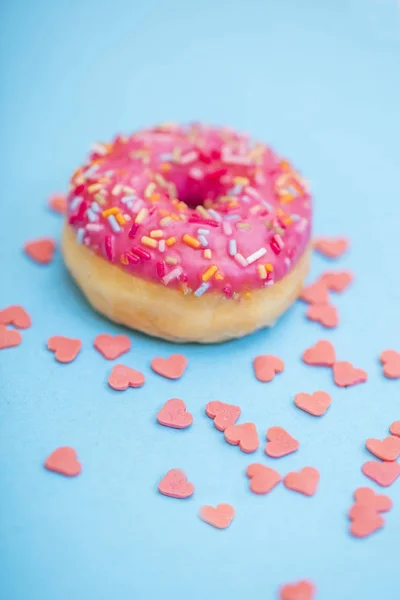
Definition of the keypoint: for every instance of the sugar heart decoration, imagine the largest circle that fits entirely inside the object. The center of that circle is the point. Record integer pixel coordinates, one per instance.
(220, 516)
(245, 435)
(304, 481)
(64, 461)
(175, 485)
(172, 367)
(383, 473)
(41, 250)
(262, 479)
(174, 414)
(395, 428)
(58, 203)
(112, 346)
(316, 293)
(366, 524)
(331, 247)
(321, 355)
(387, 449)
(280, 442)
(315, 404)
(224, 415)
(15, 315)
(65, 349)
(390, 360)
(345, 375)
(325, 314)
(266, 366)
(9, 338)
(365, 496)
(302, 590)
(122, 377)
(337, 281)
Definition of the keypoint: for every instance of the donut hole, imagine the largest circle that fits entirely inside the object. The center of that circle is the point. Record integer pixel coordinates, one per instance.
(196, 191)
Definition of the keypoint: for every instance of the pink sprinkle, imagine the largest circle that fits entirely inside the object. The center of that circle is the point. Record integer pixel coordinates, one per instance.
(276, 244)
(228, 291)
(183, 277)
(132, 258)
(109, 247)
(161, 269)
(133, 230)
(209, 222)
(142, 253)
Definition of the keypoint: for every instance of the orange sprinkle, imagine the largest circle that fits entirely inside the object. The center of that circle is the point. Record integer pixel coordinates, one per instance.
(190, 241)
(209, 273)
(155, 197)
(110, 211)
(171, 241)
(269, 267)
(219, 276)
(123, 259)
(165, 167)
(120, 219)
(286, 198)
(156, 233)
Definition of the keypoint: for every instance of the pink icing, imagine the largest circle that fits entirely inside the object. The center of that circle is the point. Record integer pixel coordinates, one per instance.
(246, 211)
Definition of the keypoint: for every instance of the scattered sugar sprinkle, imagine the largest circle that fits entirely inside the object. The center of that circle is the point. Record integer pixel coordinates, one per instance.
(207, 254)
(256, 255)
(114, 223)
(174, 274)
(161, 246)
(203, 241)
(240, 259)
(232, 247)
(209, 272)
(202, 288)
(147, 241)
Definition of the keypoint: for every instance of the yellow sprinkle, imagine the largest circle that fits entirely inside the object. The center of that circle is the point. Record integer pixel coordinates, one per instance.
(175, 217)
(128, 190)
(269, 267)
(120, 219)
(141, 216)
(116, 189)
(149, 189)
(165, 220)
(182, 206)
(243, 226)
(146, 241)
(207, 253)
(240, 181)
(200, 209)
(262, 272)
(110, 211)
(209, 273)
(165, 167)
(160, 180)
(94, 187)
(190, 241)
(156, 233)
(170, 260)
(286, 198)
(123, 259)
(99, 198)
(219, 276)
(170, 241)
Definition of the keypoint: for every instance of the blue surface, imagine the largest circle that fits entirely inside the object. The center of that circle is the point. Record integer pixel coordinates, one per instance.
(321, 82)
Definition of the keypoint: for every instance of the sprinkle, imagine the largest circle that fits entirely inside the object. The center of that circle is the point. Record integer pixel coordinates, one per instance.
(91, 215)
(203, 241)
(195, 219)
(120, 218)
(141, 253)
(147, 241)
(203, 231)
(240, 259)
(262, 272)
(156, 233)
(188, 158)
(109, 247)
(202, 288)
(243, 225)
(174, 274)
(228, 291)
(232, 247)
(235, 190)
(116, 189)
(139, 204)
(110, 211)
(94, 187)
(209, 272)
(219, 276)
(150, 188)
(133, 230)
(94, 227)
(132, 258)
(161, 246)
(233, 217)
(215, 214)
(165, 221)
(79, 235)
(170, 241)
(171, 260)
(161, 269)
(99, 149)
(200, 209)
(256, 255)
(95, 207)
(91, 171)
(190, 241)
(114, 224)
(165, 167)
(75, 203)
(142, 215)
(207, 254)
(99, 198)
(277, 244)
(227, 228)
(240, 180)
(269, 267)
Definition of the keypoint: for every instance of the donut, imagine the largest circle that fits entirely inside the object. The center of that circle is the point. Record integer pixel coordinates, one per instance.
(188, 232)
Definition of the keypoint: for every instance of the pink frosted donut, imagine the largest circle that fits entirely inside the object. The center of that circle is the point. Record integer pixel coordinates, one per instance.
(189, 233)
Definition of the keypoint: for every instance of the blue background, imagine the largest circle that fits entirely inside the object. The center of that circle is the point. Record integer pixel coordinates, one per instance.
(318, 80)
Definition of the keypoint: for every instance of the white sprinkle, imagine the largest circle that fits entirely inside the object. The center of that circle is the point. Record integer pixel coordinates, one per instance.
(76, 202)
(188, 158)
(79, 235)
(161, 245)
(202, 288)
(172, 275)
(256, 255)
(95, 207)
(214, 214)
(232, 247)
(252, 192)
(114, 224)
(203, 231)
(91, 215)
(96, 227)
(240, 259)
(203, 241)
(196, 173)
(99, 149)
(116, 189)
(91, 171)
(227, 228)
(232, 217)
